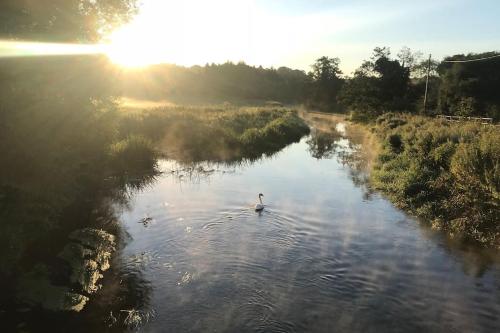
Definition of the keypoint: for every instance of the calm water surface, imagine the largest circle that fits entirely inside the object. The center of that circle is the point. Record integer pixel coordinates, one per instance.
(324, 256)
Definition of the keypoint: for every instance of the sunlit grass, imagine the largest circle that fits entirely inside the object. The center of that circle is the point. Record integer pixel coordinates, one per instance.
(217, 133)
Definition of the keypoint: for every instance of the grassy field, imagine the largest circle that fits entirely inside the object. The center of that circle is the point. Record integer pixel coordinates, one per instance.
(446, 173)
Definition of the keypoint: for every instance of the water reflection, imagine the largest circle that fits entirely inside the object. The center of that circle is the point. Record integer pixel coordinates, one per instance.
(319, 258)
(323, 144)
(195, 256)
(331, 137)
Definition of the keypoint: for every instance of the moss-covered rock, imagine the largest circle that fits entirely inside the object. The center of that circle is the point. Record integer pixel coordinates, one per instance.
(88, 255)
(75, 254)
(87, 275)
(94, 239)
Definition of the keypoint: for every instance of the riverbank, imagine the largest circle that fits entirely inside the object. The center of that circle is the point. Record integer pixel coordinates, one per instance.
(445, 173)
(222, 134)
(323, 244)
(89, 195)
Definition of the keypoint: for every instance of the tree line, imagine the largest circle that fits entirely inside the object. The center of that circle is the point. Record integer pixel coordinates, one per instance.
(386, 83)
(383, 83)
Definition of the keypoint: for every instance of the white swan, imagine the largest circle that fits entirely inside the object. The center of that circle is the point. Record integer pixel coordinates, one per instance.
(260, 206)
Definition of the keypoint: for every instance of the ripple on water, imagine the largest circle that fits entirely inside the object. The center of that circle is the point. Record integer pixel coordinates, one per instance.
(325, 261)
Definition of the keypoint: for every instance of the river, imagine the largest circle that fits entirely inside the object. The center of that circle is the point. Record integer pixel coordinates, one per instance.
(326, 254)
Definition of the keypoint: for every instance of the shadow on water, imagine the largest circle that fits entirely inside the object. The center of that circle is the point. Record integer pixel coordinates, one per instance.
(38, 247)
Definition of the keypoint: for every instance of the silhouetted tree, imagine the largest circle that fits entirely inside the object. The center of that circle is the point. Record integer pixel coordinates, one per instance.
(56, 120)
(379, 85)
(470, 88)
(326, 83)
(62, 20)
(217, 83)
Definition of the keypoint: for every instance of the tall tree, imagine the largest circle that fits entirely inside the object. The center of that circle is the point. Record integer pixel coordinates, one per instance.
(380, 84)
(470, 88)
(326, 83)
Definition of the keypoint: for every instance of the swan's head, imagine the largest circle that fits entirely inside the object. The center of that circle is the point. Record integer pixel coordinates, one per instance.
(261, 195)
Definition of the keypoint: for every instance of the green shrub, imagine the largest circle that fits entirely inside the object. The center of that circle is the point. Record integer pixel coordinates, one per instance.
(446, 173)
(135, 153)
(477, 165)
(230, 133)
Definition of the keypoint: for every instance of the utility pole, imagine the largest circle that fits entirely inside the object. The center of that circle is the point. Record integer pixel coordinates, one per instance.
(427, 84)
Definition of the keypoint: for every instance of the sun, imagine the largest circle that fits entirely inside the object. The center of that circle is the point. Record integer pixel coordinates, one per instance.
(128, 50)
(183, 32)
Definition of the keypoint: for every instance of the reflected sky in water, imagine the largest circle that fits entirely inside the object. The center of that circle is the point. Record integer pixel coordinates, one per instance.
(323, 256)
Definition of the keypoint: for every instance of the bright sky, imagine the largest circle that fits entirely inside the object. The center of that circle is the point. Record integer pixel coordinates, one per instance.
(294, 33)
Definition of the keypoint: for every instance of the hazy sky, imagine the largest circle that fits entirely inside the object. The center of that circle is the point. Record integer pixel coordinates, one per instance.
(295, 32)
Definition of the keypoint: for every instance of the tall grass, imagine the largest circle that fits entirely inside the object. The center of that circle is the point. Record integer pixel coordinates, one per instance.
(446, 173)
(220, 134)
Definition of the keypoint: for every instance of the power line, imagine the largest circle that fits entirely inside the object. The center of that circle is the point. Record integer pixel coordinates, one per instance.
(473, 60)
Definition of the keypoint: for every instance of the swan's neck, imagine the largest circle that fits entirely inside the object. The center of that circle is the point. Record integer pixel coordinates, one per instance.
(260, 199)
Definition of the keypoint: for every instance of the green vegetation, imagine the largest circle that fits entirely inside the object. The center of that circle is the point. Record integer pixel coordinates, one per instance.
(237, 83)
(386, 84)
(446, 173)
(67, 149)
(221, 134)
(470, 89)
(325, 85)
(65, 156)
(383, 83)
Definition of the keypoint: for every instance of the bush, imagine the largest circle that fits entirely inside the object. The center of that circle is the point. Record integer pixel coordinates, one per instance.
(135, 153)
(446, 173)
(194, 134)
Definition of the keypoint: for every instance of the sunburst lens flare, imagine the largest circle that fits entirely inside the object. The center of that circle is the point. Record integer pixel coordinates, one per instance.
(10, 48)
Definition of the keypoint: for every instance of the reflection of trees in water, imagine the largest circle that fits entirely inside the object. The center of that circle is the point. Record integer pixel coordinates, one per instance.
(323, 145)
(328, 142)
(231, 157)
(474, 259)
(353, 157)
(202, 171)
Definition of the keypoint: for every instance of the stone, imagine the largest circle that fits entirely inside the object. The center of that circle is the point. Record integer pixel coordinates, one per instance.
(94, 239)
(75, 254)
(87, 275)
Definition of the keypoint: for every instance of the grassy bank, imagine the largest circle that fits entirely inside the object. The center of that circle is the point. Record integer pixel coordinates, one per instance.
(217, 134)
(446, 173)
